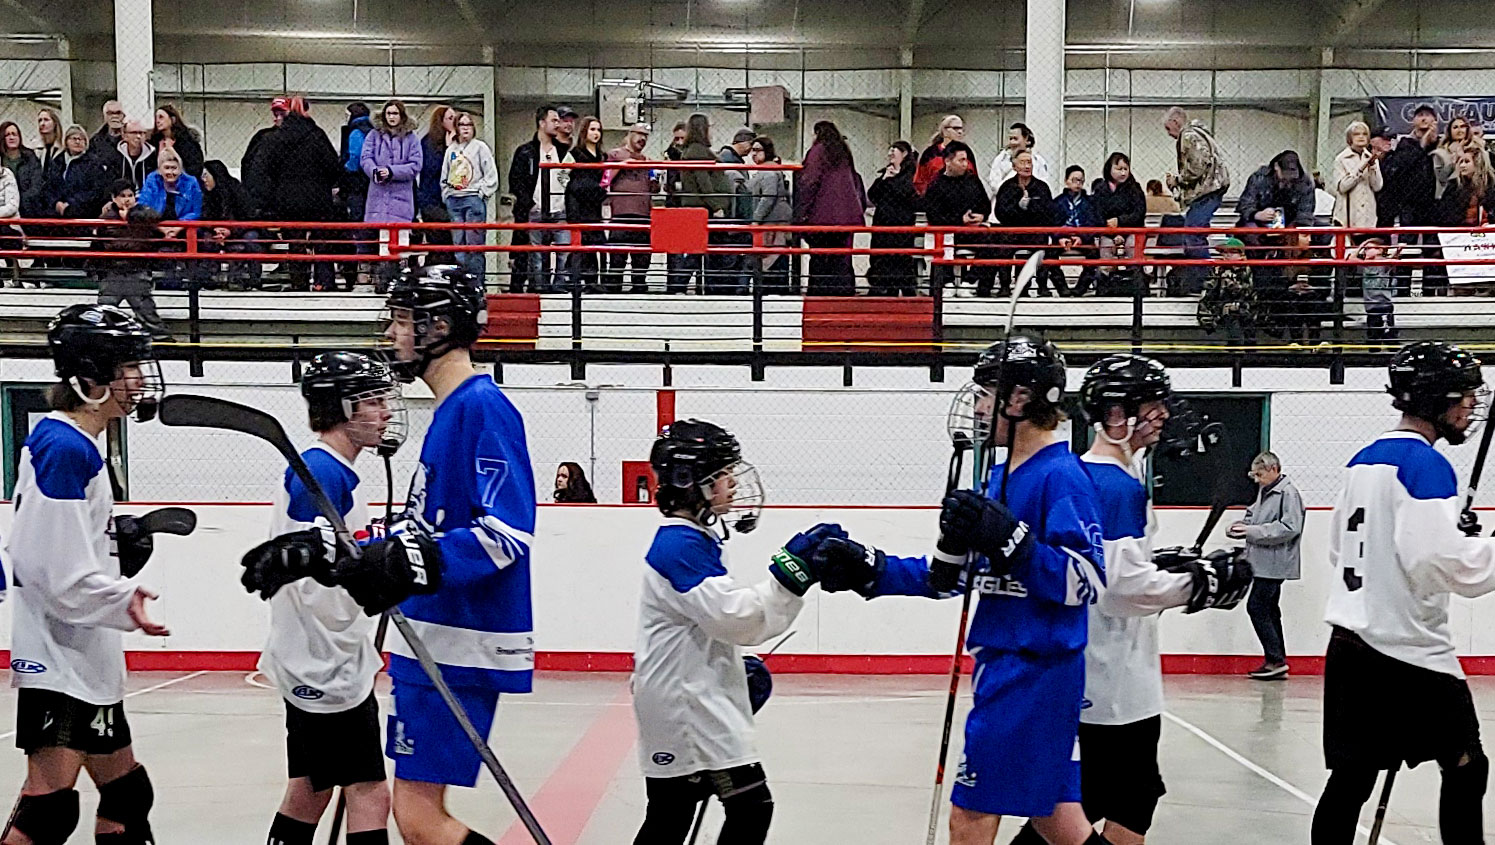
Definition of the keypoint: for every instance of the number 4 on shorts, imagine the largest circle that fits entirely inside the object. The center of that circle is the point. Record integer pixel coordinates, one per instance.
(103, 722)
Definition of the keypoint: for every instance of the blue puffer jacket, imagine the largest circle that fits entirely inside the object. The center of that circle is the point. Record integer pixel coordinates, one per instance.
(188, 201)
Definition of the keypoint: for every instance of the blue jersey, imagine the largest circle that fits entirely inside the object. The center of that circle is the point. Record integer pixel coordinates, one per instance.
(475, 491)
(1040, 606)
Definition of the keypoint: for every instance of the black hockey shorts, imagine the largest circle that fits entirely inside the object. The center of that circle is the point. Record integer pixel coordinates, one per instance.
(335, 749)
(47, 719)
(1380, 711)
(1119, 777)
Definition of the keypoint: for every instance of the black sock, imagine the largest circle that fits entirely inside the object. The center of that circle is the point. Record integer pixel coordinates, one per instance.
(369, 837)
(287, 831)
(473, 838)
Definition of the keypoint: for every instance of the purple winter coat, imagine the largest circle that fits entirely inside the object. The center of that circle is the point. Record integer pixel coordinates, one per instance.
(392, 201)
(828, 196)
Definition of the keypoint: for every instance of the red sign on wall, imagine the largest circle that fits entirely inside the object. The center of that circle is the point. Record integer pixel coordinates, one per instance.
(638, 483)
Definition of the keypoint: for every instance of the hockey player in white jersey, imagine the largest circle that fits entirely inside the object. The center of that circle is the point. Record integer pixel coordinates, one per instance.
(1394, 692)
(1126, 400)
(320, 654)
(456, 561)
(690, 687)
(75, 590)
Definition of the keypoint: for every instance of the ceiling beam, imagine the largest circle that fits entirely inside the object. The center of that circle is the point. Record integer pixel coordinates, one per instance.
(1348, 17)
(911, 20)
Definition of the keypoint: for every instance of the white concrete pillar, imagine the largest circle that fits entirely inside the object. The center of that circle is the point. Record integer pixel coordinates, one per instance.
(906, 95)
(1043, 96)
(1325, 135)
(134, 58)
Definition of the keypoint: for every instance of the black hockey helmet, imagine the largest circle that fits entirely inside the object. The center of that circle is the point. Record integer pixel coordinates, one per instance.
(687, 458)
(438, 292)
(334, 383)
(90, 343)
(1428, 377)
(1126, 380)
(1027, 361)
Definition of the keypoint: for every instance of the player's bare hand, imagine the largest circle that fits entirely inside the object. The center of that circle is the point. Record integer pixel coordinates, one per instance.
(1236, 531)
(141, 618)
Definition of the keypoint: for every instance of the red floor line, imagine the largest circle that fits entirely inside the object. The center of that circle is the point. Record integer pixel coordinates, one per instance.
(565, 803)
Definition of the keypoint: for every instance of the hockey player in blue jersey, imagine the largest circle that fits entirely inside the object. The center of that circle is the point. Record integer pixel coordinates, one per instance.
(457, 560)
(1126, 400)
(1040, 565)
(320, 654)
(691, 692)
(76, 591)
(1394, 691)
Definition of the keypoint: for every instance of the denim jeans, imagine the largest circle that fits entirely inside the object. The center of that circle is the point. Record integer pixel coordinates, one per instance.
(469, 209)
(1265, 609)
(540, 261)
(1198, 216)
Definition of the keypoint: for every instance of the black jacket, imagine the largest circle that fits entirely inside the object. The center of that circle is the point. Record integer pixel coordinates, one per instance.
(300, 169)
(102, 142)
(1263, 192)
(51, 159)
(1454, 203)
(228, 200)
(28, 171)
(584, 191)
(251, 169)
(81, 183)
(1409, 183)
(1040, 210)
(1127, 204)
(896, 201)
(947, 200)
(121, 167)
(524, 174)
(186, 146)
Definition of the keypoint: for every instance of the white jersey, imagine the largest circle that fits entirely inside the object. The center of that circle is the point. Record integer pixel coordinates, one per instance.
(71, 605)
(320, 653)
(690, 692)
(1123, 668)
(1397, 552)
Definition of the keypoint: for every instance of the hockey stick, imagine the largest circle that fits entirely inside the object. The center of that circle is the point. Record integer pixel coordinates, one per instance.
(1479, 468)
(208, 412)
(981, 465)
(1375, 828)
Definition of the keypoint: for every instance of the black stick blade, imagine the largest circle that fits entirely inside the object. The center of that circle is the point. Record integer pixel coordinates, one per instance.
(183, 409)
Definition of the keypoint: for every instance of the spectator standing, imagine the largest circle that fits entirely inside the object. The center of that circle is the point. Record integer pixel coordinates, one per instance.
(350, 195)
(584, 198)
(630, 196)
(19, 159)
(772, 206)
(1468, 201)
(1273, 531)
(10, 209)
(469, 177)
(699, 188)
(571, 485)
(391, 160)
(674, 264)
(1019, 138)
(128, 280)
(932, 159)
(895, 203)
(1022, 201)
(105, 141)
(1199, 185)
(224, 199)
(78, 184)
(1121, 205)
(441, 130)
(1158, 201)
(1446, 156)
(1074, 209)
(524, 183)
(565, 131)
(956, 198)
(1408, 198)
(301, 169)
(172, 132)
(830, 193)
(1279, 196)
(49, 131)
(1378, 287)
(251, 168)
(135, 158)
(729, 270)
(1356, 179)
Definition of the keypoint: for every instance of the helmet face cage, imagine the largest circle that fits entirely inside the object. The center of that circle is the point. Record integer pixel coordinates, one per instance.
(971, 415)
(138, 393)
(384, 436)
(746, 506)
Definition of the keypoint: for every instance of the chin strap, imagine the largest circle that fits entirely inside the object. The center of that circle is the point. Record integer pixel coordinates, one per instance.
(1125, 442)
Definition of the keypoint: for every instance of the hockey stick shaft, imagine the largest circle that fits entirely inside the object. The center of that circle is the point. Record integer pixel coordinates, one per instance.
(1479, 463)
(209, 412)
(379, 634)
(983, 457)
(1375, 828)
(695, 826)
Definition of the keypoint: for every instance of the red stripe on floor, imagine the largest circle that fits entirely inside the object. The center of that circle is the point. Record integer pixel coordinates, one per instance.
(565, 804)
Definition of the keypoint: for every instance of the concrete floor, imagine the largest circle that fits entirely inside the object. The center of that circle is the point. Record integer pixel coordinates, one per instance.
(850, 759)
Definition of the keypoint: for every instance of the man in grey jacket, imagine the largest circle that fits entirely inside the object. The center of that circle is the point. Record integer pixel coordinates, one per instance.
(1273, 531)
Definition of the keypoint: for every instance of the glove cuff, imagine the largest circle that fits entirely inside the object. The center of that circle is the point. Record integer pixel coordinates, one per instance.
(792, 572)
(952, 558)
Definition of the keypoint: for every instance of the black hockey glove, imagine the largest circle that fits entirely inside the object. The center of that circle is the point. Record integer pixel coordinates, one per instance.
(286, 559)
(982, 525)
(1469, 523)
(132, 535)
(1173, 557)
(1221, 580)
(845, 564)
(407, 562)
(794, 564)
